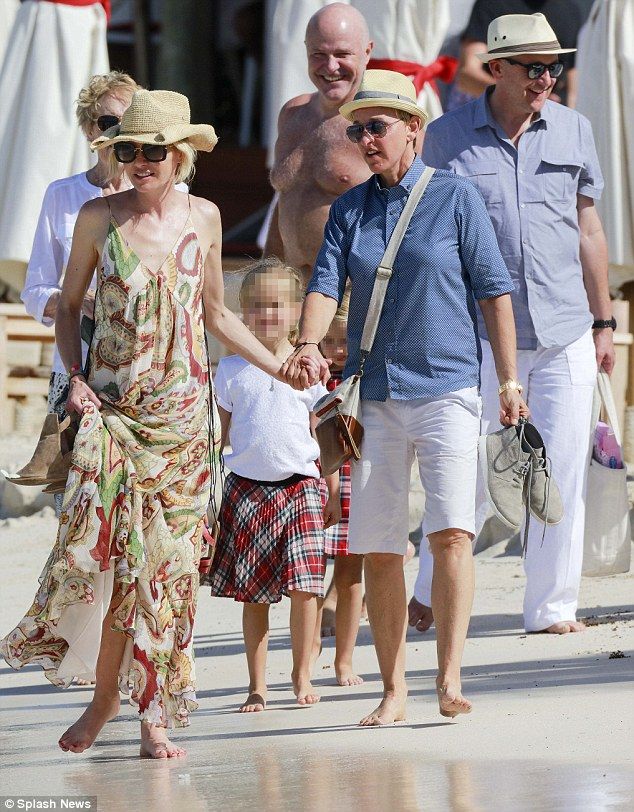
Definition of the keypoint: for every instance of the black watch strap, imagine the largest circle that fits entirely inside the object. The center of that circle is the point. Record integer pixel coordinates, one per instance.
(600, 324)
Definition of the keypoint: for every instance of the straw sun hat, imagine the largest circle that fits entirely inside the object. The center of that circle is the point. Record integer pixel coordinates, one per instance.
(521, 35)
(384, 88)
(158, 117)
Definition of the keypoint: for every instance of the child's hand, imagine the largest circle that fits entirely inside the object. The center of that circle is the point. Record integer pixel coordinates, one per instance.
(332, 511)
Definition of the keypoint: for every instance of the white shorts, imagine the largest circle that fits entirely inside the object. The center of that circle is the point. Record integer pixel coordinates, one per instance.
(443, 433)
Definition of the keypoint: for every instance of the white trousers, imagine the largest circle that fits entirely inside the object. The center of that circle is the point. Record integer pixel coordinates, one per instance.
(559, 388)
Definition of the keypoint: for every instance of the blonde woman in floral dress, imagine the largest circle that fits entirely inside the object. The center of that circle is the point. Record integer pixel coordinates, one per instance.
(117, 597)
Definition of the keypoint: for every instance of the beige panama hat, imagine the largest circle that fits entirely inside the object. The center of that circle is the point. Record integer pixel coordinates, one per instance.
(158, 117)
(520, 35)
(384, 88)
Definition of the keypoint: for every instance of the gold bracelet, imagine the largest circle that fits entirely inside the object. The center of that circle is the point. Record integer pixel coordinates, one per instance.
(510, 384)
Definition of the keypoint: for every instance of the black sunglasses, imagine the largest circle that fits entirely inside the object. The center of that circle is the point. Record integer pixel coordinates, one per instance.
(125, 152)
(537, 69)
(105, 122)
(376, 128)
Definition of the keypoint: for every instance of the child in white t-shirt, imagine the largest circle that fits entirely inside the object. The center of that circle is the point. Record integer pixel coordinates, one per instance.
(271, 539)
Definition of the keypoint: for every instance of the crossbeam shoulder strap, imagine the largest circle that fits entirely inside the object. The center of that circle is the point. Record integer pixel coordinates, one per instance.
(384, 271)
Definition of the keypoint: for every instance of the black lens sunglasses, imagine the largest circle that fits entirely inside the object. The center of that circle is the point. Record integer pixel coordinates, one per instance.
(537, 69)
(376, 128)
(105, 122)
(125, 152)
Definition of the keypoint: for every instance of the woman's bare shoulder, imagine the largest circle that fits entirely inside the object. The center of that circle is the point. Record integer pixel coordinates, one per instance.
(205, 209)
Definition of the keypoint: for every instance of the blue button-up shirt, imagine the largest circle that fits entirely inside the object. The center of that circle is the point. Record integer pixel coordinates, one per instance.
(427, 340)
(531, 195)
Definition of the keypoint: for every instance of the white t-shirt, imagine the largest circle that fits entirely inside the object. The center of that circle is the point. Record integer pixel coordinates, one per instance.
(52, 243)
(270, 424)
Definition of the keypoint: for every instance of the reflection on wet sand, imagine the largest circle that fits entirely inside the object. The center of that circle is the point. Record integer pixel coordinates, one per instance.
(274, 778)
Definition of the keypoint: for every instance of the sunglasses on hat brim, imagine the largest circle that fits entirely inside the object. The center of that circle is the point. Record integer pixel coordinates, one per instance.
(105, 122)
(537, 69)
(125, 152)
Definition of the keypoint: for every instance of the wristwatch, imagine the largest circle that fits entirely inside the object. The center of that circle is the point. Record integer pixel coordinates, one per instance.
(600, 324)
(510, 384)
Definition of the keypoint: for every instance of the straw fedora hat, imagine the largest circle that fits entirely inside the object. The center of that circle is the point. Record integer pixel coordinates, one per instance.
(521, 35)
(158, 117)
(384, 88)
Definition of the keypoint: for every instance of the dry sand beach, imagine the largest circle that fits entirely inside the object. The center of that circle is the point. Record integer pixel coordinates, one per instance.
(551, 728)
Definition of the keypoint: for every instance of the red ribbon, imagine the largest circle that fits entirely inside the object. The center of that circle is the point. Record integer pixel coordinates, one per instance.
(443, 68)
(104, 3)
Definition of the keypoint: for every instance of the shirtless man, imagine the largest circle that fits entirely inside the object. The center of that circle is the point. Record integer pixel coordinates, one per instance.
(314, 161)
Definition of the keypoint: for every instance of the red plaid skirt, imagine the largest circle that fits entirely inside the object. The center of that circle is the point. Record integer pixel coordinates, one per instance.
(271, 541)
(337, 536)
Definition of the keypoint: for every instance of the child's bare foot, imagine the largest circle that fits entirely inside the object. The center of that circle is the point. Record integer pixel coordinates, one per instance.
(155, 744)
(82, 734)
(328, 622)
(255, 702)
(391, 709)
(411, 552)
(304, 690)
(450, 699)
(346, 676)
(84, 682)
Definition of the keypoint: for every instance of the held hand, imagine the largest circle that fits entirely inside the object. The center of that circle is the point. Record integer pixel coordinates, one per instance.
(80, 395)
(305, 367)
(604, 349)
(332, 511)
(512, 407)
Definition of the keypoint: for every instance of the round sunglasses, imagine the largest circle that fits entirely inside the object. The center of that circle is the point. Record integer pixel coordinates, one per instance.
(376, 128)
(105, 122)
(125, 152)
(537, 69)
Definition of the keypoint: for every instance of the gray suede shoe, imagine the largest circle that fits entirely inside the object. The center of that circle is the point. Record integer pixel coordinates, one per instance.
(504, 466)
(543, 493)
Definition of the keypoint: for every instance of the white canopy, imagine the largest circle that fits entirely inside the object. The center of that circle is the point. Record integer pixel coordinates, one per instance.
(606, 96)
(411, 30)
(52, 52)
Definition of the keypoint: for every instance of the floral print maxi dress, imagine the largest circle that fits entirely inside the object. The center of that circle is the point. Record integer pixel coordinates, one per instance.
(132, 518)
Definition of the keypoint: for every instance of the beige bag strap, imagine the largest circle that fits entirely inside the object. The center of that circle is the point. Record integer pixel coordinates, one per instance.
(384, 271)
(603, 398)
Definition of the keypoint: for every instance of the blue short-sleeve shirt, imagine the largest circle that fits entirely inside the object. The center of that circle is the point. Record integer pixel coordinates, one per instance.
(427, 339)
(531, 195)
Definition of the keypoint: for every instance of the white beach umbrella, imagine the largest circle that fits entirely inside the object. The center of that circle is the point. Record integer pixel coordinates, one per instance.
(606, 96)
(53, 51)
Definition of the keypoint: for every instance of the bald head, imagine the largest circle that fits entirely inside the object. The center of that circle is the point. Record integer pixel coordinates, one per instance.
(338, 20)
(338, 47)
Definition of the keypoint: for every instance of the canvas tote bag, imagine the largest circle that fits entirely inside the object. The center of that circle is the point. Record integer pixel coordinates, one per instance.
(607, 539)
(340, 428)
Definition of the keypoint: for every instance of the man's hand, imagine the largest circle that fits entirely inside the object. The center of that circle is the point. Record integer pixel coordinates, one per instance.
(604, 348)
(512, 407)
(305, 367)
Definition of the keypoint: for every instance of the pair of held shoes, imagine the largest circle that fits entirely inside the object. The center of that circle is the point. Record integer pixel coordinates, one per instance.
(518, 479)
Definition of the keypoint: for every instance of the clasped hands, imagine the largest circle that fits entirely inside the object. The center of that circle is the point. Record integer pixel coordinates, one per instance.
(305, 367)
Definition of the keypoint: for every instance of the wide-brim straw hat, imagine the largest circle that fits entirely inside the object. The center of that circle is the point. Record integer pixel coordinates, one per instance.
(384, 88)
(159, 117)
(521, 35)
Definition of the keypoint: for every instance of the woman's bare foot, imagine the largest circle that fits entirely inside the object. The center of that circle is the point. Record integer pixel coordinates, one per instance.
(566, 627)
(419, 615)
(82, 734)
(391, 709)
(84, 682)
(304, 690)
(256, 701)
(346, 676)
(450, 699)
(328, 622)
(155, 744)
